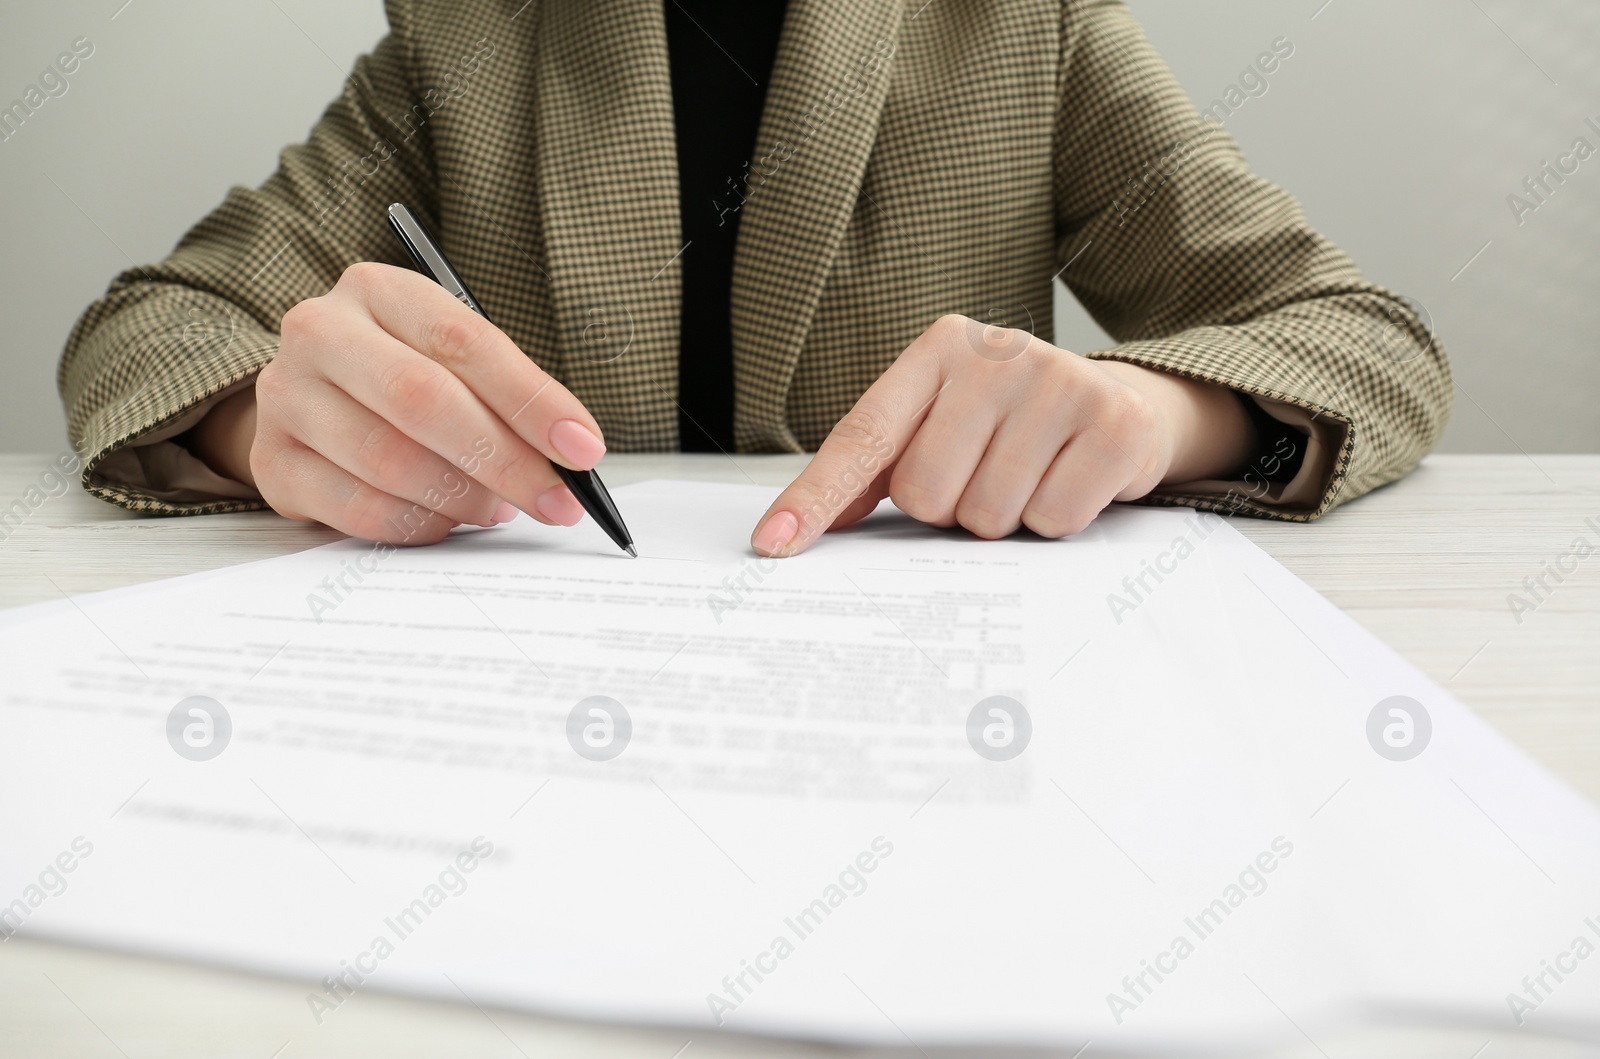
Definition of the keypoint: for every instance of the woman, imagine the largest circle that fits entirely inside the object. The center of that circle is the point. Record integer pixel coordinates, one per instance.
(705, 225)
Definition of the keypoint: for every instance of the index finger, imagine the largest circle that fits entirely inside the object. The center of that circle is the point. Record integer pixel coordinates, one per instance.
(544, 413)
(860, 447)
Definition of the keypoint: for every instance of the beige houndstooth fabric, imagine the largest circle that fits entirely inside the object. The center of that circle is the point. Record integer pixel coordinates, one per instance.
(914, 159)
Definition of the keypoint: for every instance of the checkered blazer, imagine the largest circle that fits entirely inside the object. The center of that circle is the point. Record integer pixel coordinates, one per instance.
(914, 159)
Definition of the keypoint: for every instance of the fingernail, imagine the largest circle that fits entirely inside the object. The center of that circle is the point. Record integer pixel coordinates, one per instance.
(777, 533)
(577, 444)
(559, 506)
(504, 513)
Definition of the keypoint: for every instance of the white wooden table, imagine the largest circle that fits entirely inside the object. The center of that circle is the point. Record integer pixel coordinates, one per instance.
(1427, 565)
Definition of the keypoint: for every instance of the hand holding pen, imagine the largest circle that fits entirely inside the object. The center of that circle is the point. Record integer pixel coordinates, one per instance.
(586, 486)
(394, 412)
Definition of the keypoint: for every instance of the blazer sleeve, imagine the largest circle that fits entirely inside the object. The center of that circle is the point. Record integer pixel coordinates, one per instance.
(168, 340)
(1198, 267)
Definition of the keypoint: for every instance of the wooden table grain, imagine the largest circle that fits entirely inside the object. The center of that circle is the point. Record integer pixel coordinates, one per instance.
(1483, 571)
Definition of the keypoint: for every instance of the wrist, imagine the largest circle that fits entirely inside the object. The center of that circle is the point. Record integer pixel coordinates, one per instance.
(223, 437)
(1209, 433)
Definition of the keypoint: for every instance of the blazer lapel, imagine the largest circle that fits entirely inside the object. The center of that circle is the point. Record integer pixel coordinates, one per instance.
(827, 92)
(608, 192)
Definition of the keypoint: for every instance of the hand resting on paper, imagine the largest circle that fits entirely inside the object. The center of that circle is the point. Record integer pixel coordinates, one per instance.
(992, 429)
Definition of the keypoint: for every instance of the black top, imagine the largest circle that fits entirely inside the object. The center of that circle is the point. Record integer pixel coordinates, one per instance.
(721, 54)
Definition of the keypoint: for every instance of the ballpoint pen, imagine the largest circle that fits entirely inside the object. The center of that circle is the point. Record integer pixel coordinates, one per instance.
(431, 262)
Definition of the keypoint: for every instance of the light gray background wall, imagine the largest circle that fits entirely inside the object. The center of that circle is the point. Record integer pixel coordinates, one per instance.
(1401, 126)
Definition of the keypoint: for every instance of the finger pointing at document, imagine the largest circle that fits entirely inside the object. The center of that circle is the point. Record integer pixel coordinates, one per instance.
(993, 429)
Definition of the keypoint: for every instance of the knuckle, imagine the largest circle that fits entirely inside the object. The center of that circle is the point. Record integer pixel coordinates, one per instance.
(450, 492)
(371, 515)
(863, 429)
(1123, 412)
(273, 384)
(361, 275)
(945, 337)
(948, 326)
(303, 319)
(376, 454)
(460, 339)
(1052, 524)
(516, 470)
(414, 390)
(365, 519)
(982, 522)
(919, 500)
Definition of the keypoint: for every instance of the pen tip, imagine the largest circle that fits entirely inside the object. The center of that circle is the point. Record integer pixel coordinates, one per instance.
(632, 554)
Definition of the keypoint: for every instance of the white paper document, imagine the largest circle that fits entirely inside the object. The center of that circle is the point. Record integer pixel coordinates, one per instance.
(1141, 786)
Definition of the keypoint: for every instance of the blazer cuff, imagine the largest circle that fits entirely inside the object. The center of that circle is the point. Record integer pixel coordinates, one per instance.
(156, 465)
(133, 457)
(1312, 440)
(1230, 360)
